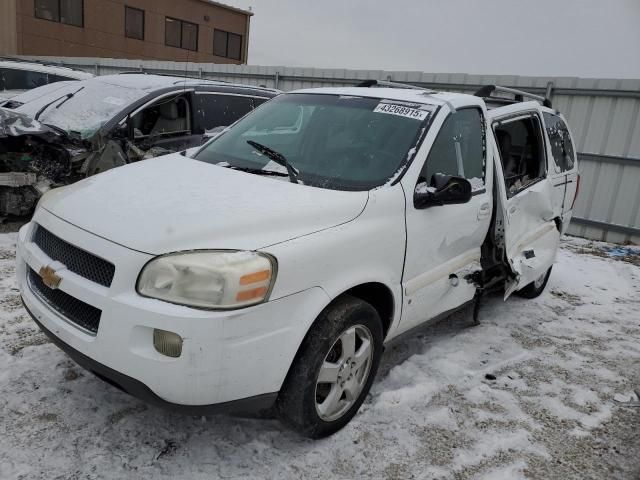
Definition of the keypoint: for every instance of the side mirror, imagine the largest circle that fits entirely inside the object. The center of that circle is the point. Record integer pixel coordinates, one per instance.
(444, 190)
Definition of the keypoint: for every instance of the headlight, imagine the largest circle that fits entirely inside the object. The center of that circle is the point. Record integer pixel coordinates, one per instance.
(209, 279)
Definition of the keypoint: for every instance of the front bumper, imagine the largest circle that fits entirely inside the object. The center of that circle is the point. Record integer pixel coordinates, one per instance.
(226, 357)
(140, 390)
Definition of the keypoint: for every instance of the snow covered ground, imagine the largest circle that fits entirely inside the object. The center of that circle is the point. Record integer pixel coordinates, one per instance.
(538, 390)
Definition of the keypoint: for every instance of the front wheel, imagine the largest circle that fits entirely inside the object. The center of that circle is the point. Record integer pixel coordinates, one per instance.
(535, 288)
(334, 370)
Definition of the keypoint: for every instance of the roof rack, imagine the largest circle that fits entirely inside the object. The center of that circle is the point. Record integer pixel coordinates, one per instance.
(200, 79)
(486, 91)
(172, 75)
(385, 83)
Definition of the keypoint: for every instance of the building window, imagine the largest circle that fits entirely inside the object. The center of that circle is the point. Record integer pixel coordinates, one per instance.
(181, 34)
(69, 12)
(134, 23)
(226, 44)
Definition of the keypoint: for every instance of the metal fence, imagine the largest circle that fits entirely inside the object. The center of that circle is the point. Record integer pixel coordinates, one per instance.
(603, 115)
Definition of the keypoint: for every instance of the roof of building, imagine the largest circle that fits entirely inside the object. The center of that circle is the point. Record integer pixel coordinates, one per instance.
(249, 13)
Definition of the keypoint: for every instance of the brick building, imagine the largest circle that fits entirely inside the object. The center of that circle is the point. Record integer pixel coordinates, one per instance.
(178, 30)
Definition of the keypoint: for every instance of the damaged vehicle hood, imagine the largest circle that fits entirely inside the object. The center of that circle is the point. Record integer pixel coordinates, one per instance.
(14, 124)
(175, 203)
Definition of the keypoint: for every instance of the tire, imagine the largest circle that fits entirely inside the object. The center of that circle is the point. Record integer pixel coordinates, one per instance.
(535, 288)
(318, 409)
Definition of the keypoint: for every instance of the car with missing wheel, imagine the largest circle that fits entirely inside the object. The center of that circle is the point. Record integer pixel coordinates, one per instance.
(270, 268)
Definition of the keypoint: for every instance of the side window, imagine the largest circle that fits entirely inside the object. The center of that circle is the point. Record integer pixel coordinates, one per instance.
(170, 116)
(521, 145)
(257, 101)
(459, 149)
(561, 144)
(58, 78)
(221, 110)
(21, 79)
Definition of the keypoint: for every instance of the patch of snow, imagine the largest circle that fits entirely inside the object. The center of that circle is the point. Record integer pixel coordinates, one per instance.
(425, 188)
(451, 402)
(477, 184)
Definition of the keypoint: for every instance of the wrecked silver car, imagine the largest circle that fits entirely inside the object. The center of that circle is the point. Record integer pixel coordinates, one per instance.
(60, 133)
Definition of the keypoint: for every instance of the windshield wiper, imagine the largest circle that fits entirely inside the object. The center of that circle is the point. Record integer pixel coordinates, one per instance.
(64, 98)
(258, 171)
(277, 157)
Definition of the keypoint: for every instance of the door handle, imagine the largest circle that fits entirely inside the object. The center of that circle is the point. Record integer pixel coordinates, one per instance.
(513, 210)
(484, 211)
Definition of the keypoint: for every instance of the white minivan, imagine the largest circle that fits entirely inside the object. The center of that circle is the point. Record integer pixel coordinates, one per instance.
(271, 267)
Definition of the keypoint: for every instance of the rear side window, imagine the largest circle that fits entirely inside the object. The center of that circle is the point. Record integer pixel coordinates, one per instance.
(58, 78)
(213, 110)
(459, 149)
(11, 79)
(560, 141)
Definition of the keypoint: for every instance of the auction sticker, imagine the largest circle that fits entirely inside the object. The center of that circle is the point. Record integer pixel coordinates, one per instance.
(401, 111)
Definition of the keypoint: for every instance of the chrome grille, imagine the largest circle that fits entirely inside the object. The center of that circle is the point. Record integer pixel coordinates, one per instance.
(75, 259)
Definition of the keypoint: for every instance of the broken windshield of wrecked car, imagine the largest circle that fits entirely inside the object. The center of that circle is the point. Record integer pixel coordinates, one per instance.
(342, 143)
(87, 111)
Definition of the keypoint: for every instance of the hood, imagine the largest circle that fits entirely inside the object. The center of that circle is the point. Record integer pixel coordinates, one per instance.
(174, 203)
(14, 124)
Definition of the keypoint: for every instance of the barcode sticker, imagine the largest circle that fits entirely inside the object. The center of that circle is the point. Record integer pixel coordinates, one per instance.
(402, 111)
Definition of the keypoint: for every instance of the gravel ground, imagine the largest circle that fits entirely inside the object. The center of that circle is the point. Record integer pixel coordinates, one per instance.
(538, 390)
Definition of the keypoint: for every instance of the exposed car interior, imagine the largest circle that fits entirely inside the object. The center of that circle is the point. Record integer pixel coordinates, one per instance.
(167, 117)
(522, 152)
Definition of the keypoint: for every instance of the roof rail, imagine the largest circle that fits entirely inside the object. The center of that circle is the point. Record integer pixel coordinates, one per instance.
(172, 75)
(486, 91)
(182, 78)
(38, 62)
(385, 83)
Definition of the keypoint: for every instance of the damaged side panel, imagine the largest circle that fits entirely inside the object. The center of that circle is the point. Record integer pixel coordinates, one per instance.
(531, 234)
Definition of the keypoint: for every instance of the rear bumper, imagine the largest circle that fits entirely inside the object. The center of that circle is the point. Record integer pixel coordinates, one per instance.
(139, 390)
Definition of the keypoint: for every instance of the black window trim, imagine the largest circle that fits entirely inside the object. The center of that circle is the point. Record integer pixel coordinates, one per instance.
(59, 20)
(182, 22)
(485, 124)
(144, 22)
(226, 47)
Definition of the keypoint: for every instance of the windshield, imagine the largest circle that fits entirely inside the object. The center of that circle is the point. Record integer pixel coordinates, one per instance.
(342, 143)
(89, 109)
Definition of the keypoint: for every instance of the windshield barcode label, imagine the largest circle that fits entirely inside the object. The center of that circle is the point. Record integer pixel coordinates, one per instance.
(402, 111)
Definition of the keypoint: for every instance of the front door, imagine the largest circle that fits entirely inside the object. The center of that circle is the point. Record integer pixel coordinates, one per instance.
(444, 242)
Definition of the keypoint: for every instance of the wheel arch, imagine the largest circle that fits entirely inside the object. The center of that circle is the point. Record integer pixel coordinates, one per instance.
(379, 296)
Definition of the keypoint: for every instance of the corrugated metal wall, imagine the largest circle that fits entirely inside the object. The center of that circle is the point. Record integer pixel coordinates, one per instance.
(603, 115)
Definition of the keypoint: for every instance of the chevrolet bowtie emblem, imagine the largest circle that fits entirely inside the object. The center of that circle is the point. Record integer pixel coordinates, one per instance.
(50, 278)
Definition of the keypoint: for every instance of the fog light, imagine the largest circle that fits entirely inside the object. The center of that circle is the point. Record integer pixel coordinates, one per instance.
(167, 343)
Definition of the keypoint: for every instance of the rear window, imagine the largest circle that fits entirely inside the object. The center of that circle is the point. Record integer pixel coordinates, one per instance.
(561, 143)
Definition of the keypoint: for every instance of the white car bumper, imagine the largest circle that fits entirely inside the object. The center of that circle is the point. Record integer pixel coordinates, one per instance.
(226, 356)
